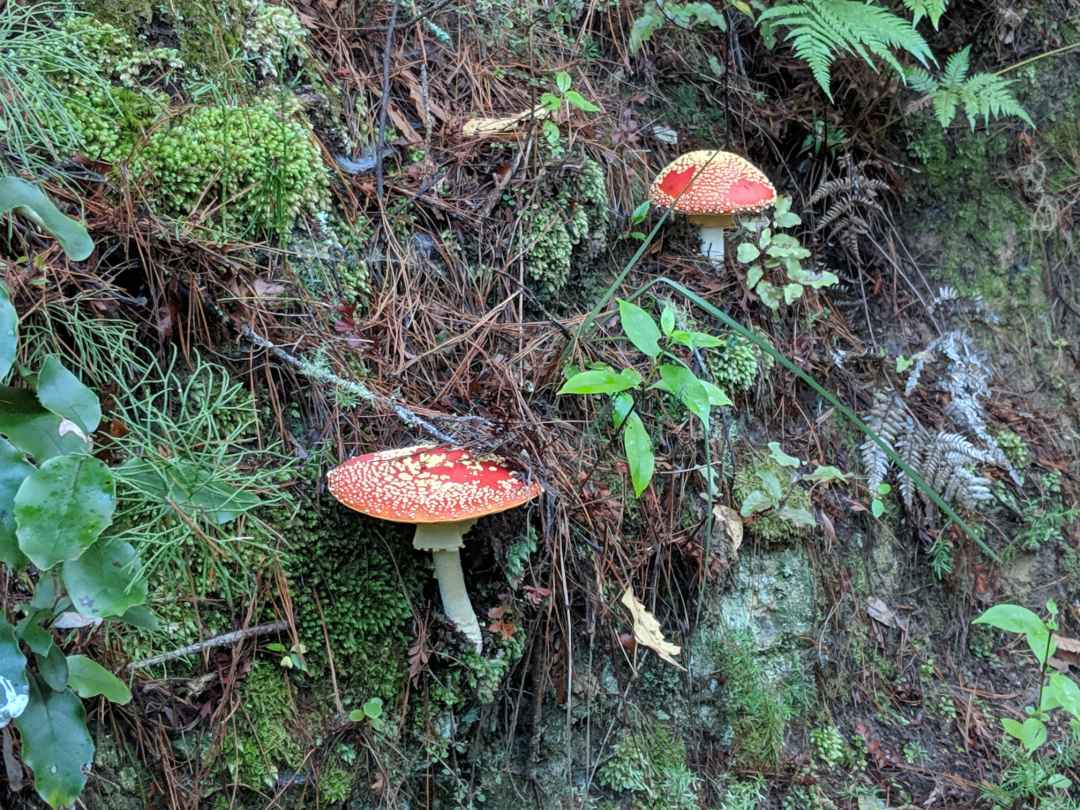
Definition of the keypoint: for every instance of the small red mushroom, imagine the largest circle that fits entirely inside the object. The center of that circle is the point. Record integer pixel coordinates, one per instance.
(713, 186)
(443, 490)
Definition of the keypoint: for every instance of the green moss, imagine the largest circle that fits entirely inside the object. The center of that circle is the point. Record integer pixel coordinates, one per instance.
(343, 576)
(651, 764)
(275, 39)
(573, 222)
(265, 734)
(235, 171)
(770, 526)
(1014, 448)
(734, 365)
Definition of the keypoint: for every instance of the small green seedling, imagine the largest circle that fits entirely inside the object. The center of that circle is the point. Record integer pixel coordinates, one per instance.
(877, 504)
(637, 216)
(291, 657)
(1058, 691)
(563, 97)
(371, 712)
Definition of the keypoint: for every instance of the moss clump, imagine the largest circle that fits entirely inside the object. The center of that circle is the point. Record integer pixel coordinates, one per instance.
(364, 596)
(771, 526)
(575, 220)
(275, 39)
(734, 365)
(1014, 447)
(235, 171)
(651, 764)
(265, 735)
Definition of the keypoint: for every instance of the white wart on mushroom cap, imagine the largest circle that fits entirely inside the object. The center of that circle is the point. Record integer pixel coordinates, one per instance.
(429, 484)
(713, 186)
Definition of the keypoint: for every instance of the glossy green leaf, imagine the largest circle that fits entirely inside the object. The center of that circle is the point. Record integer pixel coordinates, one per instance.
(681, 383)
(639, 326)
(792, 293)
(14, 686)
(56, 745)
(578, 101)
(52, 667)
(31, 202)
(747, 252)
(755, 274)
(62, 507)
(667, 319)
(877, 508)
(89, 678)
(105, 581)
(61, 392)
(140, 616)
(780, 457)
(1018, 619)
(601, 381)
(36, 637)
(756, 501)
(13, 470)
(35, 430)
(1031, 733)
(1062, 692)
(637, 444)
(637, 216)
(695, 340)
(717, 397)
(9, 332)
(563, 81)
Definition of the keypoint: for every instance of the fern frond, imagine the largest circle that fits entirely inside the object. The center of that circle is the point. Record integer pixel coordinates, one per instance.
(888, 418)
(957, 67)
(822, 30)
(985, 95)
(926, 8)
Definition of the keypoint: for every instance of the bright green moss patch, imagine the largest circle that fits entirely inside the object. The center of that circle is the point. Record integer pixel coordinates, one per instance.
(243, 172)
(651, 764)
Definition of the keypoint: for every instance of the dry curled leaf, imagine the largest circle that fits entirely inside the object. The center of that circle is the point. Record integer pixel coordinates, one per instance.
(486, 127)
(733, 525)
(647, 630)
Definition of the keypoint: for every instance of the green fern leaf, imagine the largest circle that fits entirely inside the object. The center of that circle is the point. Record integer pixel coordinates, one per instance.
(921, 81)
(988, 96)
(820, 31)
(926, 8)
(956, 68)
(945, 102)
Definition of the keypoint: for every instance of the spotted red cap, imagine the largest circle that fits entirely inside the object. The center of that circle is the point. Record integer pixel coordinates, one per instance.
(722, 183)
(429, 484)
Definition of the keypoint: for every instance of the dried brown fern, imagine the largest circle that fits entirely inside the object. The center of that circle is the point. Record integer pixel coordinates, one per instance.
(853, 207)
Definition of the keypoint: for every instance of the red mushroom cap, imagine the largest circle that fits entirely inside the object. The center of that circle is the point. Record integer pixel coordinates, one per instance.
(429, 484)
(728, 184)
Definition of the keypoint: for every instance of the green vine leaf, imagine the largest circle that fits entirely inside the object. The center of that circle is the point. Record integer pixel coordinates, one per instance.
(89, 678)
(56, 744)
(62, 507)
(106, 580)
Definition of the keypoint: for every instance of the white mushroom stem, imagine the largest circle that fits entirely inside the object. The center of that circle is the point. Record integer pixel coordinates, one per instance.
(712, 236)
(444, 541)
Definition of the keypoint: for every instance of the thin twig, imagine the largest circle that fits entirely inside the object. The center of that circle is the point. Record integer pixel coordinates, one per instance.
(224, 640)
(380, 144)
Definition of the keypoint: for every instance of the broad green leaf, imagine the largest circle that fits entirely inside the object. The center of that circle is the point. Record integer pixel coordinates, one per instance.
(637, 444)
(824, 474)
(89, 678)
(1031, 733)
(877, 508)
(105, 581)
(575, 99)
(637, 216)
(1018, 619)
(36, 637)
(747, 252)
(756, 501)
(667, 319)
(13, 469)
(373, 708)
(551, 101)
(681, 383)
(768, 295)
(792, 293)
(717, 397)
(52, 667)
(563, 81)
(35, 430)
(754, 276)
(14, 686)
(772, 485)
(1063, 691)
(639, 326)
(192, 488)
(787, 220)
(140, 616)
(62, 507)
(797, 516)
(31, 202)
(9, 332)
(61, 392)
(601, 381)
(56, 745)
(621, 405)
(782, 458)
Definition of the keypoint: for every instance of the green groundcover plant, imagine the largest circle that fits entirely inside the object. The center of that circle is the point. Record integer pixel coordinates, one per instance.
(56, 501)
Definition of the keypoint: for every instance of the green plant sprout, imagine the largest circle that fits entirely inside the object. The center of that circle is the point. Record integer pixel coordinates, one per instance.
(770, 497)
(564, 96)
(675, 377)
(1058, 691)
(773, 260)
(877, 504)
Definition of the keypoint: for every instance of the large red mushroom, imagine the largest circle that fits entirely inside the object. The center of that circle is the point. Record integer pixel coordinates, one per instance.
(443, 491)
(711, 186)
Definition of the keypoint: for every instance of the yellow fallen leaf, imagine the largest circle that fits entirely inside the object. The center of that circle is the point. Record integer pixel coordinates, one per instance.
(486, 127)
(647, 630)
(733, 525)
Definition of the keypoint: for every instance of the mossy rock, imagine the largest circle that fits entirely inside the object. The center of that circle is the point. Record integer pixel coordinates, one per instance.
(770, 526)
